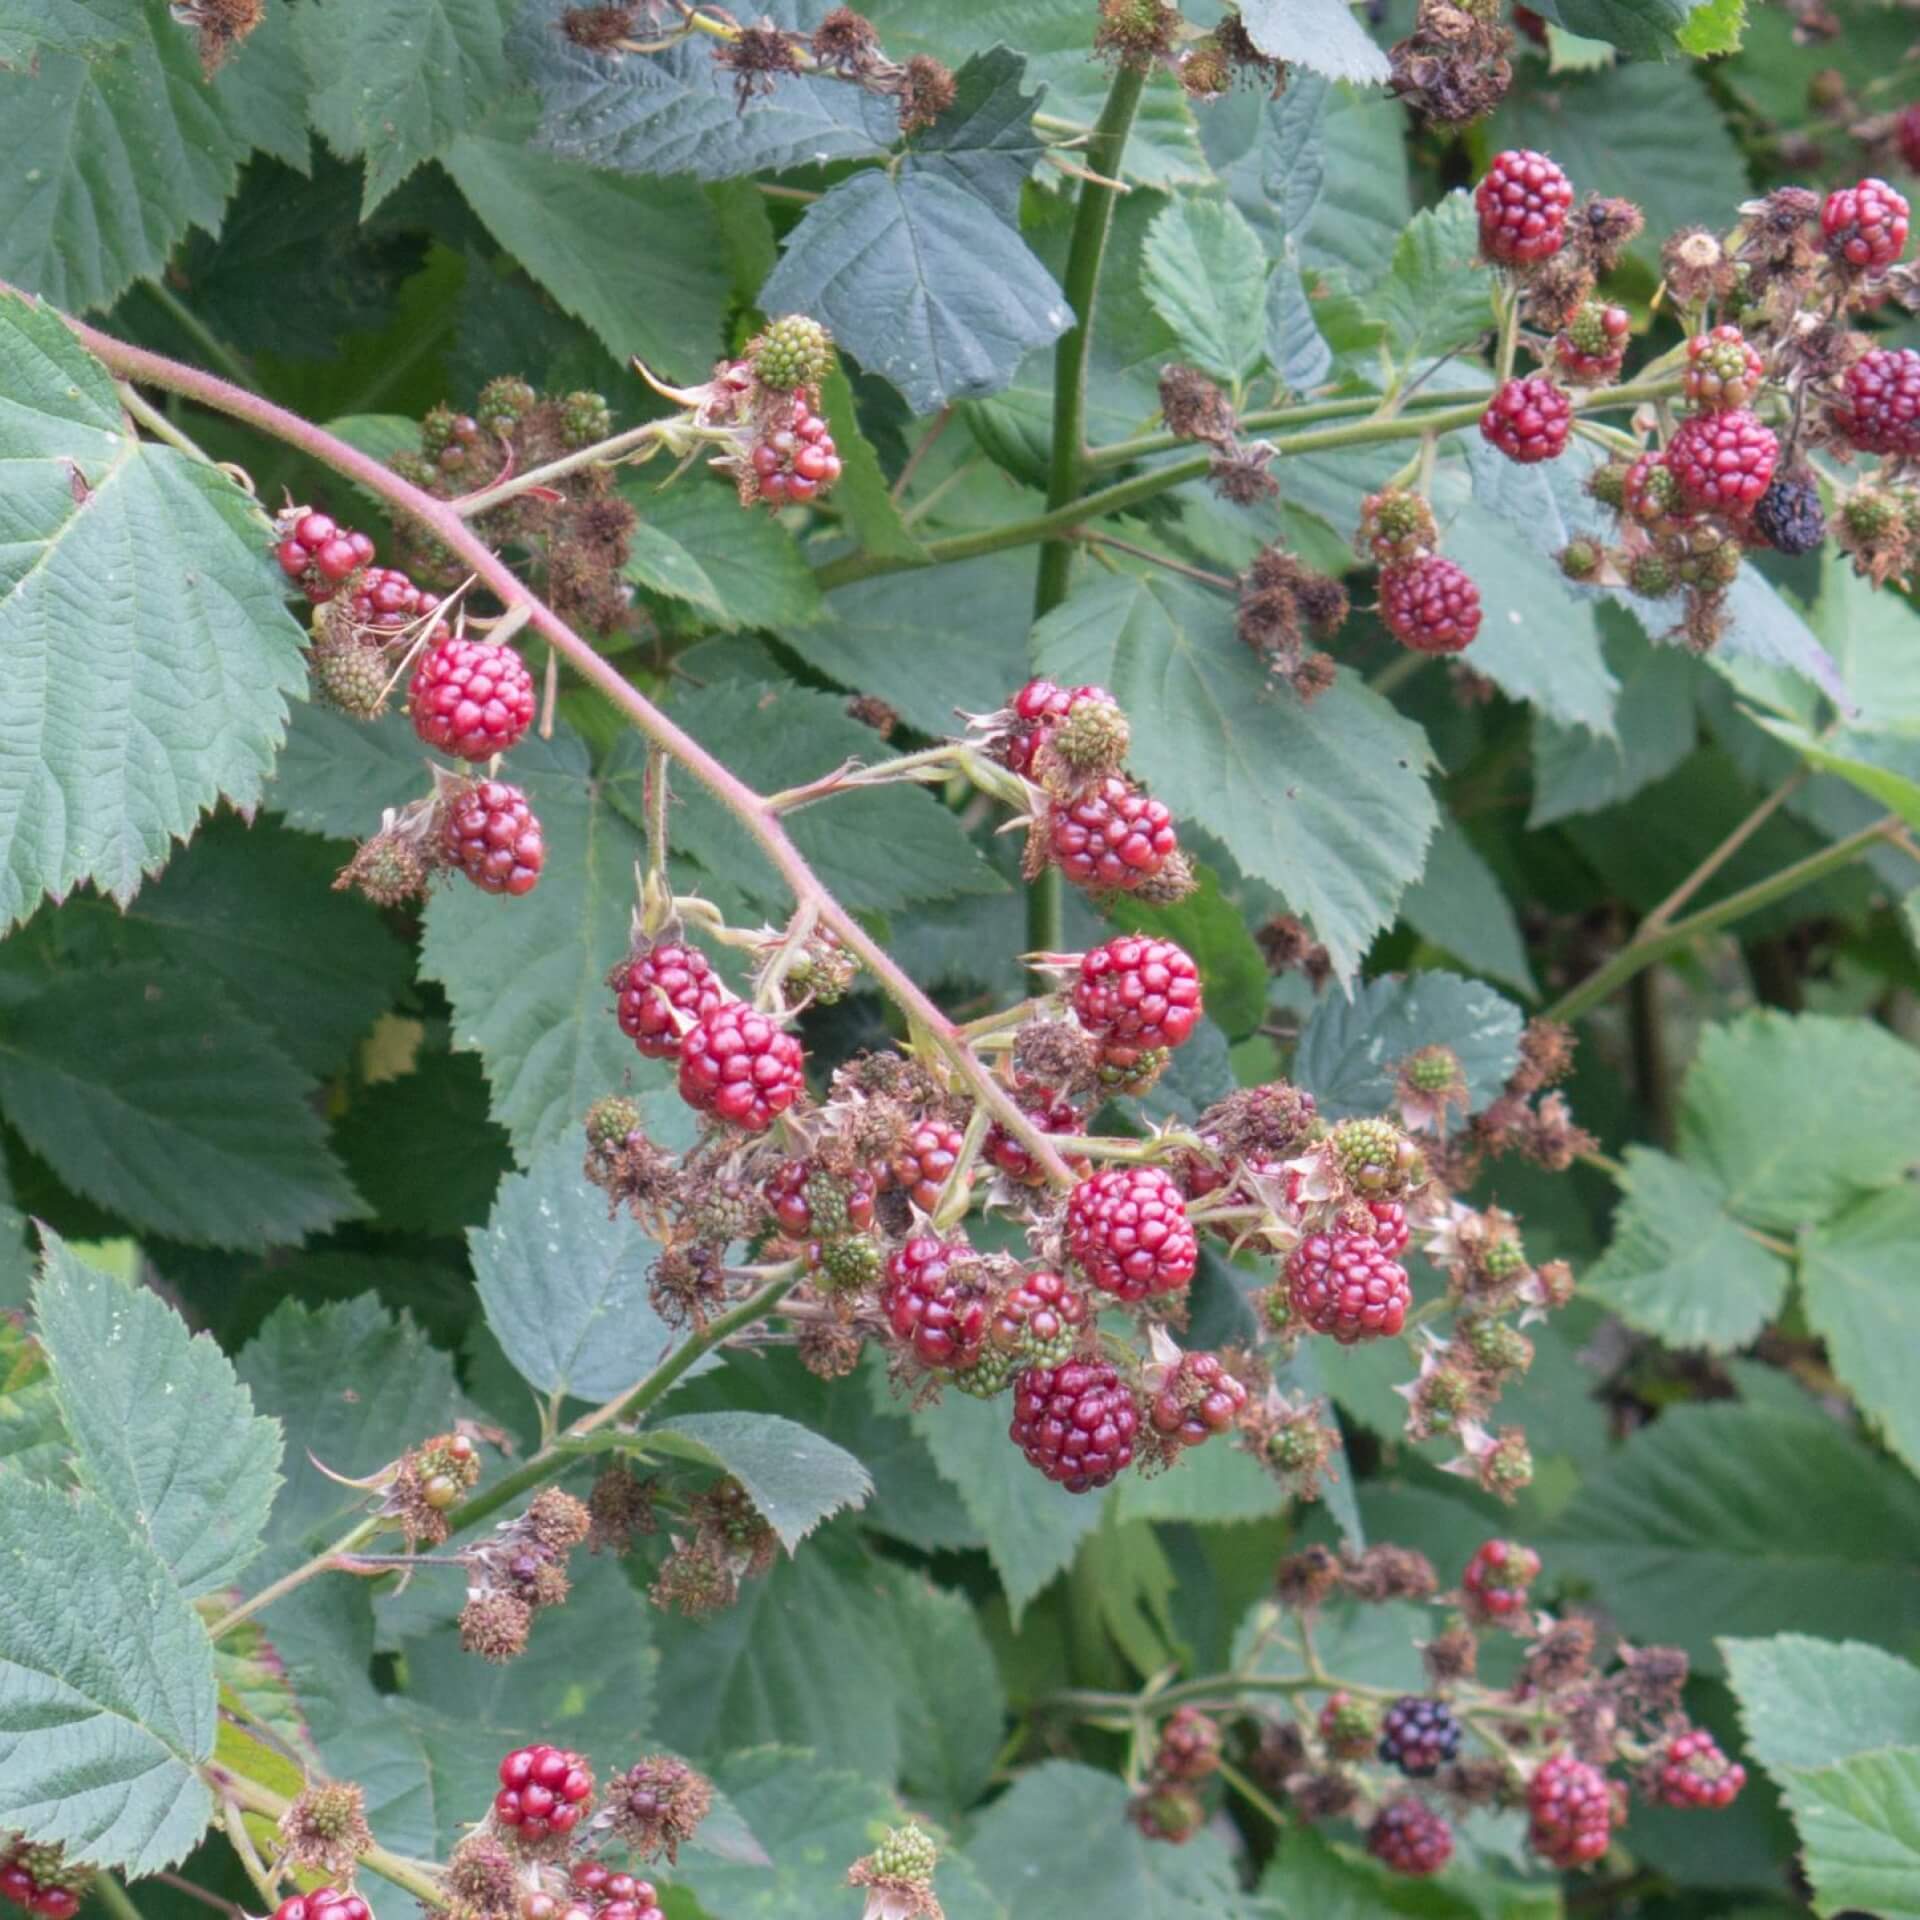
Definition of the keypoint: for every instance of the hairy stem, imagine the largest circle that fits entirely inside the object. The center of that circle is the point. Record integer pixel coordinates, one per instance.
(627, 1406)
(1644, 951)
(1093, 217)
(298, 1577)
(411, 1875)
(761, 823)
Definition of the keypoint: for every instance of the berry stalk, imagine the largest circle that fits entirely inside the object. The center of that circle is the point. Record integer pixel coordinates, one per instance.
(748, 807)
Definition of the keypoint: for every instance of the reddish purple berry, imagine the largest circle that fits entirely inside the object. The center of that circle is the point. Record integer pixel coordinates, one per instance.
(1075, 1422)
(1693, 1772)
(1723, 462)
(1110, 835)
(1570, 1811)
(942, 1318)
(1865, 226)
(1523, 200)
(1879, 408)
(657, 984)
(1127, 1231)
(490, 834)
(470, 698)
(738, 1066)
(1409, 1837)
(1138, 992)
(1430, 604)
(1346, 1284)
(1529, 420)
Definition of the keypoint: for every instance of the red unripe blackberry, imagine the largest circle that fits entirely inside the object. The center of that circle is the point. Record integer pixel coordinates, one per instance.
(1592, 347)
(658, 983)
(942, 1318)
(543, 1792)
(1430, 604)
(1570, 1811)
(795, 462)
(1496, 1580)
(1189, 1746)
(1050, 1114)
(62, 1903)
(1390, 1230)
(1198, 1399)
(1418, 1735)
(319, 553)
(1110, 835)
(807, 1202)
(323, 1903)
(470, 698)
(1346, 1284)
(1523, 200)
(1865, 226)
(1722, 462)
(738, 1066)
(1036, 710)
(924, 1160)
(1138, 992)
(1040, 1319)
(1075, 1422)
(490, 834)
(1127, 1231)
(1691, 1771)
(1529, 420)
(1879, 408)
(1649, 492)
(1722, 370)
(1409, 1837)
(385, 600)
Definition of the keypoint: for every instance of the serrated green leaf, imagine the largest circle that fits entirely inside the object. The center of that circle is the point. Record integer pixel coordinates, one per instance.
(1329, 805)
(986, 141)
(1458, 904)
(792, 1475)
(1368, 197)
(1375, 1645)
(1729, 1519)
(1270, 154)
(563, 1280)
(161, 1429)
(1859, 1826)
(1871, 636)
(149, 1092)
(1857, 1286)
(1296, 348)
(1796, 1116)
(874, 638)
(354, 1387)
(813, 1821)
(1884, 766)
(862, 495)
(136, 698)
(1714, 29)
(397, 81)
(661, 293)
(1807, 1703)
(529, 986)
(1032, 1527)
(1321, 35)
(1059, 1846)
(1645, 27)
(1206, 1486)
(1436, 295)
(254, 909)
(952, 1707)
(764, 1669)
(107, 157)
(922, 283)
(1310, 1875)
(422, 1149)
(1654, 728)
(676, 112)
(775, 736)
(1351, 1049)
(749, 561)
(337, 775)
(1205, 273)
(32, 29)
(106, 1687)
(1680, 1266)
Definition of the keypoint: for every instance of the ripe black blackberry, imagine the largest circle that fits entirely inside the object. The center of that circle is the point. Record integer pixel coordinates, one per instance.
(1790, 518)
(1419, 1736)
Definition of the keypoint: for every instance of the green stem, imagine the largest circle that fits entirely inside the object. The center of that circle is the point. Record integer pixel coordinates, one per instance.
(321, 1561)
(157, 423)
(114, 1897)
(1093, 217)
(1252, 1795)
(1644, 950)
(603, 453)
(628, 1406)
(411, 1875)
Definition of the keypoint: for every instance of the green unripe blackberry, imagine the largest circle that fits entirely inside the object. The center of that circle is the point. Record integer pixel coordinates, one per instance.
(907, 1853)
(1504, 1259)
(851, 1265)
(793, 352)
(504, 403)
(1606, 484)
(1651, 574)
(612, 1119)
(1094, 737)
(1434, 1070)
(1870, 515)
(585, 418)
(990, 1373)
(1377, 1157)
(1580, 559)
(1499, 1348)
(350, 677)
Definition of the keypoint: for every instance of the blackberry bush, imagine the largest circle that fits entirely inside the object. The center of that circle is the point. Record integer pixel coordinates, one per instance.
(1196, 801)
